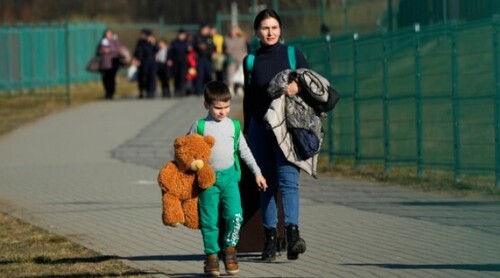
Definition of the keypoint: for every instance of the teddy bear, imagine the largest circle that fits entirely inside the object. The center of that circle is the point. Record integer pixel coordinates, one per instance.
(182, 179)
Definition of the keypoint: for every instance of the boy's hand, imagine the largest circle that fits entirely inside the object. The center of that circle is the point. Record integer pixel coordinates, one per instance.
(261, 183)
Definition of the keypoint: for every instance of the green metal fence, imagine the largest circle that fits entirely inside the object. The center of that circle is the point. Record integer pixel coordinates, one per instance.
(426, 97)
(46, 56)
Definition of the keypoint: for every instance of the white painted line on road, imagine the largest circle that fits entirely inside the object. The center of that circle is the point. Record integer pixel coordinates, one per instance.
(144, 182)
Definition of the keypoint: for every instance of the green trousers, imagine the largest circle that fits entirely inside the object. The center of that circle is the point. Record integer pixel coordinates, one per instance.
(223, 195)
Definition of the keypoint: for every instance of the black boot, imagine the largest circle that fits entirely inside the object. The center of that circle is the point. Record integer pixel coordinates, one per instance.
(269, 253)
(296, 245)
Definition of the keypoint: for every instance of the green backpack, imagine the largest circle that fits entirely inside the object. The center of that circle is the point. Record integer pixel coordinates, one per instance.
(200, 129)
(251, 59)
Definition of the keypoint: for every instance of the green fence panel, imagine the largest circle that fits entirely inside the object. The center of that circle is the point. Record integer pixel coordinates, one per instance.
(423, 97)
(46, 55)
(435, 64)
(400, 131)
(476, 92)
(343, 79)
(369, 101)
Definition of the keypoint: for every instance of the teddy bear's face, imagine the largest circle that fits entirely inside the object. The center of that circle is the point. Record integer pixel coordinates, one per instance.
(192, 151)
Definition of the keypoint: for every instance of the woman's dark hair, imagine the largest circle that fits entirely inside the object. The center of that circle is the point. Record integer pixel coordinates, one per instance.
(263, 15)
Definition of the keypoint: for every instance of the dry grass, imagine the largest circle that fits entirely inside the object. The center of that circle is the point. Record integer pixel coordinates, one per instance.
(16, 111)
(28, 251)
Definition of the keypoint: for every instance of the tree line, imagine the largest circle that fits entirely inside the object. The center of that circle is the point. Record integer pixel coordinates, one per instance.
(113, 11)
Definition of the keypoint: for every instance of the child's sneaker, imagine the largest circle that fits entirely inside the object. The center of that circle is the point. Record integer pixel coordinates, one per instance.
(212, 265)
(230, 261)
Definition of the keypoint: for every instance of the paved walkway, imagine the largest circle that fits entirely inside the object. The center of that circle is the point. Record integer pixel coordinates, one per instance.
(90, 174)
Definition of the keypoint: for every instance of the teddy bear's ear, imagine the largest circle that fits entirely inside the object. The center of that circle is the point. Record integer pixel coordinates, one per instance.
(178, 142)
(210, 140)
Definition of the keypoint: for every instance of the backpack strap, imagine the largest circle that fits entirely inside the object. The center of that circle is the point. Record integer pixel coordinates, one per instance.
(292, 60)
(237, 131)
(249, 63)
(200, 127)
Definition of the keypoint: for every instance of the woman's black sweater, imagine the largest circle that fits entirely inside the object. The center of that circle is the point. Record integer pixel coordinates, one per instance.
(269, 61)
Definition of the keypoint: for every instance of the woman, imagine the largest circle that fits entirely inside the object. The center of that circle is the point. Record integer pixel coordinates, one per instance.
(236, 49)
(283, 176)
(109, 52)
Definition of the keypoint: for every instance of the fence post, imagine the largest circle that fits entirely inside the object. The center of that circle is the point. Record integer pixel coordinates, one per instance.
(496, 64)
(385, 108)
(21, 46)
(4, 56)
(330, 122)
(68, 63)
(418, 101)
(455, 104)
(355, 96)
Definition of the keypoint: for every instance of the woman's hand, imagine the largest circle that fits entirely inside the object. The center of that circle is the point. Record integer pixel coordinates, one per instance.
(293, 88)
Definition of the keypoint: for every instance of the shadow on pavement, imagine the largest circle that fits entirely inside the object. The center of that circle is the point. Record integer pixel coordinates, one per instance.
(475, 267)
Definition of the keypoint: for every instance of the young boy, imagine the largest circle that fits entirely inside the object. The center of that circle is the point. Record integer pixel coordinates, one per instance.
(224, 193)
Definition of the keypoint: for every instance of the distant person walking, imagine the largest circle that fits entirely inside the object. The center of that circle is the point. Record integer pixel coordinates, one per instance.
(108, 50)
(204, 46)
(144, 59)
(236, 50)
(219, 55)
(140, 46)
(162, 70)
(192, 74)
(177, 61)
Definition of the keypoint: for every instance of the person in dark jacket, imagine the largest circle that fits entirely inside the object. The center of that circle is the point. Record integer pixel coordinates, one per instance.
(282, 176)
(204, 47)
(144, 59)
(177, 61)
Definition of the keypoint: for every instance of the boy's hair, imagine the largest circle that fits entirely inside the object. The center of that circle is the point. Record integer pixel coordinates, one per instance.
(216, 91)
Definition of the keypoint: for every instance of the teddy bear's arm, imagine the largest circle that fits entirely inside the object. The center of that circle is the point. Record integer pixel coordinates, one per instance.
(168, 176)
(206, 177)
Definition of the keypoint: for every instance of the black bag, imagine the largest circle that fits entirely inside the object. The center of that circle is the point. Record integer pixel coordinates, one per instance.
(331, 102)
(94, 65)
